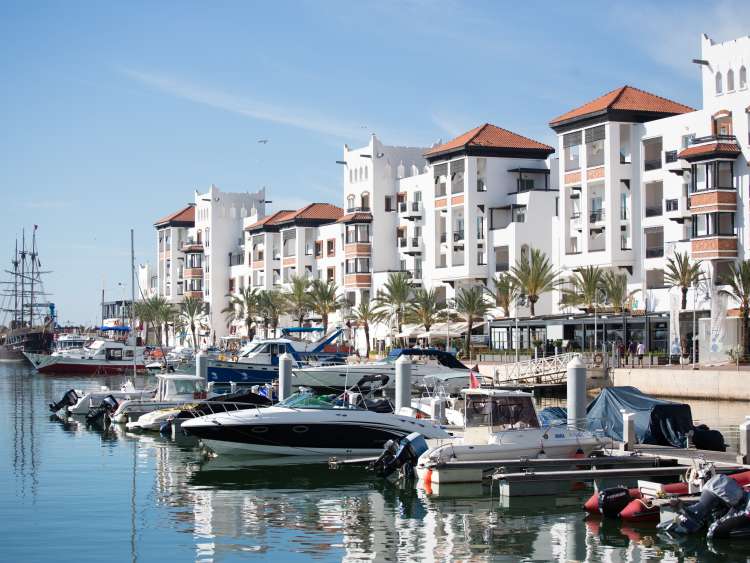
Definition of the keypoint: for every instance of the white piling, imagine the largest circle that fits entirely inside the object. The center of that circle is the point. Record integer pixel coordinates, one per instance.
(437, 409)
(628, 431)
(285, 376)
(576, 398)
(745, 441)
(403, 383)
(201, 365)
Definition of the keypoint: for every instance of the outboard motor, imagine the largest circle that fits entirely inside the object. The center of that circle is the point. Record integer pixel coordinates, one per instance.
(101, 414)
(720, 494)
(613, 500)
(399, 460)
(68, 400)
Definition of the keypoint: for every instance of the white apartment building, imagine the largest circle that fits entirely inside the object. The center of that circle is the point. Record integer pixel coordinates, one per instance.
(642, 177)
(196, 246)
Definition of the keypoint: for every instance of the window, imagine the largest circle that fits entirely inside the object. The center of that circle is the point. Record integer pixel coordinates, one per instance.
(389, 203)
(518, 214)
(713, 224)
(351, 176)
(743, 78)
(524, 184)
(722, 123)
(730, 80)
(365, 197)
(366, 172)
(331, 274)
(480, 227)
(441, 179)
(481, 174)
(652, 154)
(350, 202)
(722, 272)
(625, 154)
(208, 238)
(718, 175)
(571, 146)
(718, 83)
(687, 140)
(595, 146)
(481, 258)
(331, 247)
(358, 233)
(358, 266)
(318, 248)
(457, 176)
(557, 206)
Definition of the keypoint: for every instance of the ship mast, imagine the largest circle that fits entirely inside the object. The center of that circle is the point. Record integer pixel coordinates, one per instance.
(22, 309)
(33, 276)
(15, 288)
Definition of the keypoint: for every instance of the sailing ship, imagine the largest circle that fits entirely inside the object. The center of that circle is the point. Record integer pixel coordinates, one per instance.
(29, 317)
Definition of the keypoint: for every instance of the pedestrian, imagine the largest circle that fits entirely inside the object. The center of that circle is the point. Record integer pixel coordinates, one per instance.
(621, 351)
(640, 350)
(631, 352)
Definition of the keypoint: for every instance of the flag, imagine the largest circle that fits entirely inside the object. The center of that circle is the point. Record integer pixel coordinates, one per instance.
(473, 380)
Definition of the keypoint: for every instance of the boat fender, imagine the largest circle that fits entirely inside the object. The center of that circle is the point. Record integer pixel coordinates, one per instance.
(613, 500)
(592, 504)
(68, 400)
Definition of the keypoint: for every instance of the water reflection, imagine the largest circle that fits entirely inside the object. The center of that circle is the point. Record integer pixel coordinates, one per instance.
(148, 496)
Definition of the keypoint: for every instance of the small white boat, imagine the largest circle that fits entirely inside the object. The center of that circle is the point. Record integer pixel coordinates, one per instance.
(172, 390)
(102, 357)
(498, 424)
(92, 398)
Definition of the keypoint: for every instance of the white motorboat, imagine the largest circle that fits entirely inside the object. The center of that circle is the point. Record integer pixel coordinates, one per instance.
(428, 366)
(172, 390)
(498, 424)
(306, 425)
(86, 399)
(101, 357)
(69, 344)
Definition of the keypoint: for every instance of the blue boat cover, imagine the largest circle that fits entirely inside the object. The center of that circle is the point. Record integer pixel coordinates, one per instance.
(657, 421)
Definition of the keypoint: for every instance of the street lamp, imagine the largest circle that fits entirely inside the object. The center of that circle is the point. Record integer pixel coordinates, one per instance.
(695, 336)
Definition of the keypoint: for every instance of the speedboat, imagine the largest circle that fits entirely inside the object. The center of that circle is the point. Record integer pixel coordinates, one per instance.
(101, 357)
(80, 402)
(258, 362)
(499, 425)
(70, 344)
(172, 390)
(306, 425)
(436, 365)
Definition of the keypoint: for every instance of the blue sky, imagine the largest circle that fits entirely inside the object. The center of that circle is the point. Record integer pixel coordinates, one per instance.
(114, 112)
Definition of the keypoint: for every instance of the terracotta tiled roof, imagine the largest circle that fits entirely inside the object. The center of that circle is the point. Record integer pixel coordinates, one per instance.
(184, 215)
(320, 212)
(490, 136)
(356, 217)
(625, 98)
(273, 219)
(709, 149)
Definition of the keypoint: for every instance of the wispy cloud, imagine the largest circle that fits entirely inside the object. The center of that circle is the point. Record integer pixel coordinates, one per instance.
(245, 106)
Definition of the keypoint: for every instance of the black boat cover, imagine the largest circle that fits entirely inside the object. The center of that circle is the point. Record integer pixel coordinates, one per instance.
(657, 421)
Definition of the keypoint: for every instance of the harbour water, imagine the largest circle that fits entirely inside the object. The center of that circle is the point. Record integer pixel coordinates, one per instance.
(73, 493)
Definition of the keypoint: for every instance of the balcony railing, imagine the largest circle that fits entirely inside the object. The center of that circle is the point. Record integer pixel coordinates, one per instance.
(670, 156)
(653, 164)
(502, 266)
(596, 216)
(653, 210)
(655, 252)
(410, 207)
(358, 209)
(713, 139)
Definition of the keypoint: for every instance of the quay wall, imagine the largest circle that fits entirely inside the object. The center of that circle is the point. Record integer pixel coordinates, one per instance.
(730, 385)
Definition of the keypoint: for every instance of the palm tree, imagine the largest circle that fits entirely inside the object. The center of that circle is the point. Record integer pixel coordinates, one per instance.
(192, 310)
(395, 296)
(586, 288)
(271, 305)
(365, 314)
(244, 308)
(298, 298)
(145, 313)
(683, 273)
(324, 300)
(157, 312)
(471, 306)
(425, 309)
(504, 292)
(614, 286)
(739, 290)
(534, 276)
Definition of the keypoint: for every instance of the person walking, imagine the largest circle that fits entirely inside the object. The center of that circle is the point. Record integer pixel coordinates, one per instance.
(640, 351)
(631, 352)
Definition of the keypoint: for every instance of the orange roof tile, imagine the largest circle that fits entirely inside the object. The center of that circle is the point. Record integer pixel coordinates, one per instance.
(625, 98)
(320, 212)
(356, 217)
(490, 136)
(272, 219)
(184, 215)
(709, 149)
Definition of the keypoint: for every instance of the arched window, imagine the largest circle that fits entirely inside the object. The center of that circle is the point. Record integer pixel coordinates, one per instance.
(365, 201)
(349, 202)
(718, 83)
(743, 77)
(351, 176)
(365, 172)
(730, 80)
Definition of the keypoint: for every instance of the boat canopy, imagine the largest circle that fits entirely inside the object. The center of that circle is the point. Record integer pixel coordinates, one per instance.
(444, 358)
(295, 329)
(114, 328)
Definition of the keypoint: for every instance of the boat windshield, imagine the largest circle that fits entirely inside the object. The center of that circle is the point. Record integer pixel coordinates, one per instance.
(503, 412)
(308, 401)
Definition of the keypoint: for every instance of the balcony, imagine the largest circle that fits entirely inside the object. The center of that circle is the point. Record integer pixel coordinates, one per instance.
(410, 245)
(194, 294)
(364, 209)
(192, 273)
(713, 247)
(410, 210)
(190, 245)
(358, 280)
(677, 209)
(713, 201)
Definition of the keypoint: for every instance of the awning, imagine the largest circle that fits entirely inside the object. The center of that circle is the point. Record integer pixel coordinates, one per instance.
(441, 330)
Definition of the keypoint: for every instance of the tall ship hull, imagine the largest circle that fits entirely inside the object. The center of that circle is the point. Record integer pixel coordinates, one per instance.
(36, 340)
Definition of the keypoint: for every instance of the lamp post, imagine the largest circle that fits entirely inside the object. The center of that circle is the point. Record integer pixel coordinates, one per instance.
(695, 336)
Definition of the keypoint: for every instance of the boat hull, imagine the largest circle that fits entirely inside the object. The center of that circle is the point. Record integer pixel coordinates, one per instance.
(61, 365)
(238, 372)
(8, 354)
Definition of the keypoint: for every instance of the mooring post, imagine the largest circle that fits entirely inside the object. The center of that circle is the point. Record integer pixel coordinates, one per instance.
(744, 455)
(285, 376)
(576, 393)
(403, 383)
(628, 431)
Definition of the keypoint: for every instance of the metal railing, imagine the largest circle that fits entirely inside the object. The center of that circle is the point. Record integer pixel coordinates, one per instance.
(596, 216)
(549, 370)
